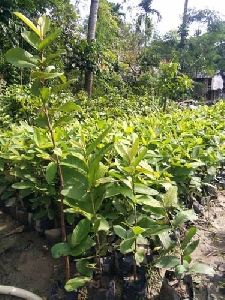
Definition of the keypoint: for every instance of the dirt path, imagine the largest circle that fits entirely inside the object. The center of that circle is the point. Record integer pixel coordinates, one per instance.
(211, 251)
(26, 262)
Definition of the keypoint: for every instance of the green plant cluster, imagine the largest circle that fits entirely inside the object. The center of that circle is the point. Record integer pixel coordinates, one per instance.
(118, 182)
(123, 178)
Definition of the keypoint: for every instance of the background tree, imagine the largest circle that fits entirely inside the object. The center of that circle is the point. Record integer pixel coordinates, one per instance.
(92, 23)
(144, 20)
(62, 13)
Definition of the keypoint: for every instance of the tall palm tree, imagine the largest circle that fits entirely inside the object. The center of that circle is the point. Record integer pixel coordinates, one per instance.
(146, 6)
(92, 22)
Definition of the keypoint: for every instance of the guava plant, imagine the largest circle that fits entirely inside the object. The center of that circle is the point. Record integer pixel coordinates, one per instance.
(119, 186)
(42, 73)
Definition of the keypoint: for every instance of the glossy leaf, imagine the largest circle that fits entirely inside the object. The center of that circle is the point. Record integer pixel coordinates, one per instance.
(188, 236)
(139, 256)
(137, 230)
(23, 186)
(115, 190)
(190, 248)
(97, 141)
(127, 245)
(101, 224)
(76, 283)
(168, 262)
(31, 38)
(200, 268)
(80, 232)
(45, 75)
(49, 39)
(51, 172)
(44, 25)
(145, 190)
(82, 247)
(184, 216)
(21, 58)
(28, 22)
(60, 249)
(69, 107)
(170, 198)
(84, 268)
(120, 231)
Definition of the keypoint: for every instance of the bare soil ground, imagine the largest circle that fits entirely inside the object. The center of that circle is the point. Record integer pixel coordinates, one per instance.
(26, 262)
(211, 250)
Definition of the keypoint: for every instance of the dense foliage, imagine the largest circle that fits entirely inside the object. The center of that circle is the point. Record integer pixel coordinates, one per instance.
(118, 170)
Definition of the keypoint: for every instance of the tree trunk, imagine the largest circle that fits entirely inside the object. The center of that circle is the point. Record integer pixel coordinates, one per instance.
(183, 32)
(92, 22)
(183, 36)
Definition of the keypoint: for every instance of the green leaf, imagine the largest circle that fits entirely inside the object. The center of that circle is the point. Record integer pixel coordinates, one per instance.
(23, 186)
(40, 138)
(75, 283)
(170, 198)
(139, 256)
(146, 222)
(127, 245)
(51, 172)
(145, 190)
(31, 38)
(65, 120)
(137, 230)
(200, 268)
(168, 262)
(122, 151)
(28, 23)
(36, 87)
(184, 216)
(120, 231)
(69, 107)
(114, 190)
(52, 56)
(134, 150)
(84, 246)
(44, 24)
(94, 164)
(149, 201)
(155, 230)
(97, 141)
(101, 224)
(45, 93)
(77, 192)
(191, 248)
(165, 239)
(188, 236)
(60, 249)
(76, 184)
(49, 39)
(21, 58)
(84, 268)
(187, 259)
(180, 270)
(45, 75)
(75, 162)
(80, 232)
(140, 157)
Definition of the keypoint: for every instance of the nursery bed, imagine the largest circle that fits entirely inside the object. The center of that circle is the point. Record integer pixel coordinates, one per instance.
(26, 262)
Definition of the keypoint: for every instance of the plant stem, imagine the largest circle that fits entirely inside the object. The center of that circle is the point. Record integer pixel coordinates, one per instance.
(135, 242)
(97, 252)
(62, 216)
